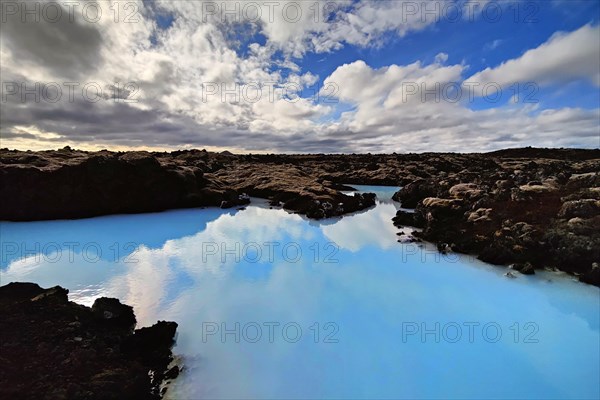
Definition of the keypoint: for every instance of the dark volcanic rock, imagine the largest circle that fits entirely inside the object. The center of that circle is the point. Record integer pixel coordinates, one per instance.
(525, 268)
(410, 195)
(119, 315)
(404, 218)
(585, 208)
(78, 184)
(511, 209)
(592, 276)
(55, 349)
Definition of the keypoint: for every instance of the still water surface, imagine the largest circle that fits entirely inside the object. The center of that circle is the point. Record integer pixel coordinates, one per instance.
(271, 305)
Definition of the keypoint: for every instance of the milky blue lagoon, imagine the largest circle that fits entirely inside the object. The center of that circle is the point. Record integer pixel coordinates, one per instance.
(272, 305)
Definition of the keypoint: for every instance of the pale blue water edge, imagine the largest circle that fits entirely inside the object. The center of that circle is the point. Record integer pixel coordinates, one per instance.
(367, 305)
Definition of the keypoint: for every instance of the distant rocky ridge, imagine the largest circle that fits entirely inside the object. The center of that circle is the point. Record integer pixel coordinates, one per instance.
(51, 348)
(76, 184)
(533, 208)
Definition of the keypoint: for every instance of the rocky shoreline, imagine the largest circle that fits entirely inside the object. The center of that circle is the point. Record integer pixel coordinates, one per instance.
(68, 184)
(529, 208)
(529, 213)
(52, 348)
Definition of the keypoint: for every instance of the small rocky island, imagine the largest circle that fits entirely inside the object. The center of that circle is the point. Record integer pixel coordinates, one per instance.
(529, 208)
(51, 348)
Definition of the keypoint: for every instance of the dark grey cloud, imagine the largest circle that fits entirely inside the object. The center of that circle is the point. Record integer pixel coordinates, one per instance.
(68, 46)
(123, 124)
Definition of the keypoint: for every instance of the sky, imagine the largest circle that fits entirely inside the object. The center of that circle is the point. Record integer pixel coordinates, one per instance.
(349, 76)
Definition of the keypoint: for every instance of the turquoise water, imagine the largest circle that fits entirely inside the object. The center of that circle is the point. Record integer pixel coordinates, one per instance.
(271, 305)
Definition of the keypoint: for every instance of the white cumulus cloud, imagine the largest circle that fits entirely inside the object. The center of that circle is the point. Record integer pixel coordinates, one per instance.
(565, 57)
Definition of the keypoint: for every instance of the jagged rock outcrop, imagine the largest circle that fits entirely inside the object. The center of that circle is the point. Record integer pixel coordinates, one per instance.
(74, 184)
(531, 213)
(52, 348)
(410, 195)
